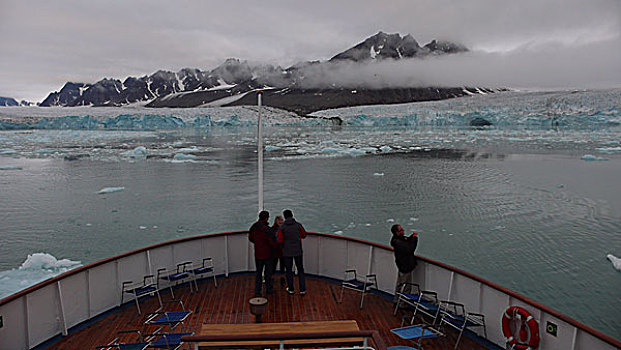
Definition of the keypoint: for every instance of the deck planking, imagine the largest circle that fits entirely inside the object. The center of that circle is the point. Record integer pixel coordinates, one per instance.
(228, 303)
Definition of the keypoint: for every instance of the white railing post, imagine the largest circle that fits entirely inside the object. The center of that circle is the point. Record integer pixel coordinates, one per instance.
(370, 265)
(150, 272)
(226, 256)
(61, 309)
(448, 297)
(88, 293)
(26, 323)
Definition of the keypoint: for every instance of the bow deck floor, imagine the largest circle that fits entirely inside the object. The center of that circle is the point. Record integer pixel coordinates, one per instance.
(229, 304)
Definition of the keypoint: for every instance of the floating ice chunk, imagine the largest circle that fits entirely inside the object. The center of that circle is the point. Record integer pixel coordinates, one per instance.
(110, 190)
(390, 220)
(338, 232)
(188, 149)
(330, 150)
(413, 219)
(48, 262)
(378, 174)
(327, 142)
(139, 152)
(592, 158)
(369, 149)
(272, 148)
(616, 262)
(143, 227)
(10, 167)
(7, 151)
(385, 149)
(183, 156)
(608, 149)
(37, 267)
(46, 151)
(355, 152)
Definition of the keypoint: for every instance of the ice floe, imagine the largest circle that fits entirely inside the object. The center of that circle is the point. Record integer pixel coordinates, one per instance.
(616, 262)
(592, 158)
(106, 190)
(37, 267)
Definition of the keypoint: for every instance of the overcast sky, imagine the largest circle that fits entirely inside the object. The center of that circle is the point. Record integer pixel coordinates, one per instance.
(520, 43)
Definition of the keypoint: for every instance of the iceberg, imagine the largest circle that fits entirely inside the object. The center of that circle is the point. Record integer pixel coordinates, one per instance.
(616, 262)
(36, 268)
(106, 190)
(592, 158)
(139, 152)
(10, 167)
(183, 156)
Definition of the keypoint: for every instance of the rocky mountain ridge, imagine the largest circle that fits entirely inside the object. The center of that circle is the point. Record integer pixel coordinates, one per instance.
(296, 88)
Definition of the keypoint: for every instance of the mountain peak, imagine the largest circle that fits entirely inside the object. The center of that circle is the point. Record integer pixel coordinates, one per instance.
(393, 46)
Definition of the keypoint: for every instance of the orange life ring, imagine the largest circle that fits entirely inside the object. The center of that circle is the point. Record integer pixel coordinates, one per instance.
(528, 338)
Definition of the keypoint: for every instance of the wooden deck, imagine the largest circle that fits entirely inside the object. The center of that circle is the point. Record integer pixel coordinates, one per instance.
(229, 304)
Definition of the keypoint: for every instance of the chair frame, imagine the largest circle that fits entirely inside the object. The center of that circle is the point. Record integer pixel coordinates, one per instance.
(174, 277)
(358, 285)
(423, 326)
(206, 268)
(454, 314)
(153, 318)
(426, 302)
(147, 287)
(116, 344)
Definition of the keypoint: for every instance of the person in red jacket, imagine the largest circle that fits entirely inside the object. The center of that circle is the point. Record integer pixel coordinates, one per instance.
(262, 236)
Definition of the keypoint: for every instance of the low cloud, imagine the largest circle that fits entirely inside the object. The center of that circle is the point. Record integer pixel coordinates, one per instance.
(596, 65)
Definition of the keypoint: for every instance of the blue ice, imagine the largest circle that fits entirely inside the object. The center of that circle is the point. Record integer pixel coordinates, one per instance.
(139, 152)
(592, 158)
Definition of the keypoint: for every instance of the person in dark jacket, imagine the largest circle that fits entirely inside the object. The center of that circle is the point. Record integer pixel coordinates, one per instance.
(262, 235)
(278, 221)
(290, 235)
(404, 247)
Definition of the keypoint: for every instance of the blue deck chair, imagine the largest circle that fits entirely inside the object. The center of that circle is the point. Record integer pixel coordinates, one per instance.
(173, 277)
(206, 269)
(455, 315)
(168, 341)
(419, 331)
(117, 344)
(423, 301)
(137, 290)
(169, 318)
(354, 282)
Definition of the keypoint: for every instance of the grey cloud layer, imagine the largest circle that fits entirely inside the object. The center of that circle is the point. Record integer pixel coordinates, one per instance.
(50, 43)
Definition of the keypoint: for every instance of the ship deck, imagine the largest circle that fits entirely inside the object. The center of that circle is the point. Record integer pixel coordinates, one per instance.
(228, 304)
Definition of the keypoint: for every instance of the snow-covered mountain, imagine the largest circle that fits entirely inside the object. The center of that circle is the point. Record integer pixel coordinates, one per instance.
(297, 88)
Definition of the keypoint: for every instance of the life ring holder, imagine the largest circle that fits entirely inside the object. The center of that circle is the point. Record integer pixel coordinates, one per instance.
(527, 339)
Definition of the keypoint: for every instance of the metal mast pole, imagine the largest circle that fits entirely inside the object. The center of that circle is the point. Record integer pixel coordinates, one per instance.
(260, 150)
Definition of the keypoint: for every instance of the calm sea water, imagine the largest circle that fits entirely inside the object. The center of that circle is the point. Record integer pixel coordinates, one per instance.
(522, 210)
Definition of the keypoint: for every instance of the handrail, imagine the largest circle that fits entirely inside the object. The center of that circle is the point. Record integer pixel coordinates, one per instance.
(373, 334)
(604, 337)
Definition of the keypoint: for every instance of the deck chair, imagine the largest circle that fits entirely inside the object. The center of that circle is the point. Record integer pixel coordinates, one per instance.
(455, 315)
(169, 318)
(137, 290)
(172, 277)
(118, 344)
(354, 282)
(423, 301)
(168, 341)
(419, 331)
(206, 269)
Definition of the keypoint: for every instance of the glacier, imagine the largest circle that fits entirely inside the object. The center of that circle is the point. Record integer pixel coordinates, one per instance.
(584, 122)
